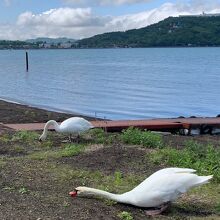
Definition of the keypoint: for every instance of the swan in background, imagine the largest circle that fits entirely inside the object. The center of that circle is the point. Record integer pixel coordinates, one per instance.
(158, 190)
(74, 125)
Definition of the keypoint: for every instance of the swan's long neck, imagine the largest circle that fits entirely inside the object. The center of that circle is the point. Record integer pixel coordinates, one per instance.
(122, 198)
(48, 124)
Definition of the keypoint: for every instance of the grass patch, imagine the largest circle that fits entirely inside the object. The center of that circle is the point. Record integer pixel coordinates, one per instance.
(25, 136)
(113, 183)
(67, 151)
(125, 216)
(144, 138)
(18, 149)
(71, 150)
(5, 138)
(99, 136)
(203, 158)
(23, 190)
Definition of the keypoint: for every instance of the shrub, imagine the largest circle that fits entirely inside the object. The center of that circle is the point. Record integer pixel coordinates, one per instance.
(138, 137)
(203, 158)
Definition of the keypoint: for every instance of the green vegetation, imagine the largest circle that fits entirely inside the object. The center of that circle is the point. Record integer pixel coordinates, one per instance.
(203, 158)
(112, 183)
(68, 150)
(99, 136)
(138, 137)
(125, 216)
(171, 32)
(9, 188)
(23, 190)
(8, 44)
(26, 136)
(37, 43)
(47, 171)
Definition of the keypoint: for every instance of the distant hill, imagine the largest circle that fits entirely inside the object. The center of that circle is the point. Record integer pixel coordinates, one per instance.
(171, 32)
(51, 40)
(9, 44)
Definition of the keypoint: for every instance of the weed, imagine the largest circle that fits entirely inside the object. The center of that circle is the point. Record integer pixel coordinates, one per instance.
(125, 216)
(203, 158)
(9, 188)
(25, 136)
(66, 204)
(68, 151)
(101, 137)
(23, 190)
(138, 137)
(109, 202)
(71, 150)
(118, 178)
(218, 207)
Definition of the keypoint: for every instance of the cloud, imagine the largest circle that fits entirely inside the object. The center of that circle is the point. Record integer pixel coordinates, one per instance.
(62, 17)
(104, 2)
(82, 22)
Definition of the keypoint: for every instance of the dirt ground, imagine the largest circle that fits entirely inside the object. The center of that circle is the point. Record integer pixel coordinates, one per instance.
(34, 182)
(14, 113)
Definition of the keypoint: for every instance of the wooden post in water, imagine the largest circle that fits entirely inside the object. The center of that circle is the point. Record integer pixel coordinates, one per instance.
(27, 61)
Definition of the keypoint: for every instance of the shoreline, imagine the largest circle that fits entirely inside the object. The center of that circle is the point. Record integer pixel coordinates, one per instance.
(14, 112)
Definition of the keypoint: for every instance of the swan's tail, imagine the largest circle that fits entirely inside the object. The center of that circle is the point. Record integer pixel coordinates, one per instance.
(203, 180)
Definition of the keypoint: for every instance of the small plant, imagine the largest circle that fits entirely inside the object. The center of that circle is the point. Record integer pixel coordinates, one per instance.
(23, 190)
(203, 158)
(125, 216)
(9, 188)
(66, 204)
(109, 202)
(99, 135)
(218, 207)
(25, 136)
(118, 178)
(71, 150)
(138, 137)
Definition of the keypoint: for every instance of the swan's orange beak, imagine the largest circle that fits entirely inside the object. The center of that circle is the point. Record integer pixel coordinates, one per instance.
(73, 194)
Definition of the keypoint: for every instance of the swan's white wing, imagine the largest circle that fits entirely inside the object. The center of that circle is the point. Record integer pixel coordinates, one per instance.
(75, 124)
(175, 170)
(171, 171)
(165, 187)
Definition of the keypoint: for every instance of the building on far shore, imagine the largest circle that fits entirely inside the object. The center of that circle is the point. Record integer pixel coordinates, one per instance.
(202, 15)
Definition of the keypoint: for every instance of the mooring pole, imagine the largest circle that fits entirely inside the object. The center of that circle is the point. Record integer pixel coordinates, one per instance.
(26, 61)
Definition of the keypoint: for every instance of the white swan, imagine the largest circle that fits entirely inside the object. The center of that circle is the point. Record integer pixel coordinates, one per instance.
(74, 125)
(158, 190)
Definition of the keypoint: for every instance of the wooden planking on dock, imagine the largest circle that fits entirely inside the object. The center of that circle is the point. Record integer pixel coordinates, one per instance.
(149, 124)
(113, 126)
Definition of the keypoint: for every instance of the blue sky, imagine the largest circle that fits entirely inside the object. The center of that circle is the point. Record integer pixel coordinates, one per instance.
(9, 10)
(22, 19)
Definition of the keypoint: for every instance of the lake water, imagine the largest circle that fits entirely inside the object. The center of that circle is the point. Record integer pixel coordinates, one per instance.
(115, 83)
